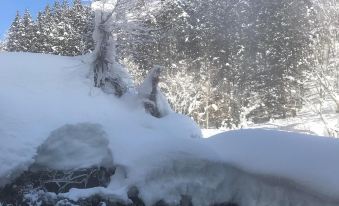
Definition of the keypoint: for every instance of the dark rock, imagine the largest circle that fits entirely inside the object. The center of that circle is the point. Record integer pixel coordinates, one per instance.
(133, 194)
(161, 203)
(226, 204)
(38, 188)
(37, 183)
(99, 201)
(186, 200)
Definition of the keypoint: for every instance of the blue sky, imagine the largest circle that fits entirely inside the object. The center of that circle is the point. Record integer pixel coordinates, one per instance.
(8, 10)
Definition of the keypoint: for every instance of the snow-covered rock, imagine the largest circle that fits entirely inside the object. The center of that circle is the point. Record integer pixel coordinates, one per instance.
(74, 147)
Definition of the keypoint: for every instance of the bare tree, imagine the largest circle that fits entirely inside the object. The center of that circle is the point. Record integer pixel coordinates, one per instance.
(154, 101)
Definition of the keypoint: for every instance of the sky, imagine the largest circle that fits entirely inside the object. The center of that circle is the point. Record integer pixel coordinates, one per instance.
(8, 10)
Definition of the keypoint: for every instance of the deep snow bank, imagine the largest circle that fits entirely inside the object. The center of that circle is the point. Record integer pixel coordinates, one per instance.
(310, 161)
(40, 94)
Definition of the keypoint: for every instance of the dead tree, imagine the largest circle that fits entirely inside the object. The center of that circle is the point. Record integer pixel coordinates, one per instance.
(154, 101)
(108, 74)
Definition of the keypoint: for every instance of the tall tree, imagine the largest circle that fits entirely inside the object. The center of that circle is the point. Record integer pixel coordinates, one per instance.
(27, 33)
(81, 20)
(45, 27)
(13, 36)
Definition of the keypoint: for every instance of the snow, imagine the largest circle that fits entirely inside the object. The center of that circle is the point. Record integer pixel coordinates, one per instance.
(51, 116)
(106, 4)
(308, 160)
(306, 122)
(85, 143)
(145, 91)
(206, 133)
(42, 93)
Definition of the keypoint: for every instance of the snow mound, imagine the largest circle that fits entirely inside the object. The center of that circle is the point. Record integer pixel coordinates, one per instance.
(74, 147)
(310, 161)
(212, 182)
(45, 100)
(41, 93)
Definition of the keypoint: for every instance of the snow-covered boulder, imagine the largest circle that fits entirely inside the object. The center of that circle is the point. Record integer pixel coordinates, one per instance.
(78, 146)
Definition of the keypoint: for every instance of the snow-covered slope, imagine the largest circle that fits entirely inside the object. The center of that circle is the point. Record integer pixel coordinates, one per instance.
(52, 117)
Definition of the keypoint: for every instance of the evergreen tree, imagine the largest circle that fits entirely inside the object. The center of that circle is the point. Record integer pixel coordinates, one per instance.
(27, 33)
(81, 22)
(2, 46)
(62, 32)
(13, 38)
(45, 27)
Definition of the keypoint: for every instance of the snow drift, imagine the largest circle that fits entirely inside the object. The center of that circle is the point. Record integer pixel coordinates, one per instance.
(51, 116)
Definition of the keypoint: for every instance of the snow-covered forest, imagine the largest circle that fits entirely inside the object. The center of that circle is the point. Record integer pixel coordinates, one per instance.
(59, 29)
(226, 63)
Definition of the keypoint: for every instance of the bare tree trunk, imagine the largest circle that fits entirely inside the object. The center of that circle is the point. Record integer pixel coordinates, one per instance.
(151, 105)
(154, 102)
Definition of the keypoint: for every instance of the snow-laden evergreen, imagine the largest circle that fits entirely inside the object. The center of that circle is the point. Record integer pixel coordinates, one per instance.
(14, 35)
(60, 28)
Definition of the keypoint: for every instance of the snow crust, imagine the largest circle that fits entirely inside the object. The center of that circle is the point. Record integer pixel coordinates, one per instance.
(49, 109)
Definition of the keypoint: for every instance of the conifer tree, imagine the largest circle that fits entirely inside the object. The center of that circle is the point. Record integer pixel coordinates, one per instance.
(83, 21)
(27, 33)
(13, 39)
(62, 32)
(46, 26)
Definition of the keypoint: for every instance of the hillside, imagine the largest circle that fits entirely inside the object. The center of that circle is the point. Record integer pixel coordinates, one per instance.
(53, 121)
